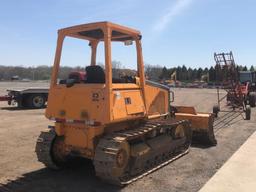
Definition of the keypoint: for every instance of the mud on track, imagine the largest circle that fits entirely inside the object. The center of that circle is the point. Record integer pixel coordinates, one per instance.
(20, 171)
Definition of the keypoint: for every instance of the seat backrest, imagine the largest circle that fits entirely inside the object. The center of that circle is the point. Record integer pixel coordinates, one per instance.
(95, 74)
(78, 76)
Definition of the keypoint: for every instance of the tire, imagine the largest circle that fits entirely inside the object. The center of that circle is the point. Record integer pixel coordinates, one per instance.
(252, 99)
(215, 110)
(247, 112)
(36, 101)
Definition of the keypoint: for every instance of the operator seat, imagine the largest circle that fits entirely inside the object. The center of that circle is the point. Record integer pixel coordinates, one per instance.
(78, 76)
(95, 74)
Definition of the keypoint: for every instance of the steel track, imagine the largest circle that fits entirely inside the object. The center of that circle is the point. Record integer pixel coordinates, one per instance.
(108, 147)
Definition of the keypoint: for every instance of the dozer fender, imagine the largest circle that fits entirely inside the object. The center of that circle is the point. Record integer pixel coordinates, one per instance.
(201, 124)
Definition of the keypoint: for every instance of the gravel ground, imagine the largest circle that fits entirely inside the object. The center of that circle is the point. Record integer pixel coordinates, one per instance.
(20, 171)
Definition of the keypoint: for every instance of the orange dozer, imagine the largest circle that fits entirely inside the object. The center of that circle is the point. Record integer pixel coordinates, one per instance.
(126, 125)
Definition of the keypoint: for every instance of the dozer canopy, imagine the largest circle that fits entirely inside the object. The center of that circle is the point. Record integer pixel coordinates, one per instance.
(80, 100)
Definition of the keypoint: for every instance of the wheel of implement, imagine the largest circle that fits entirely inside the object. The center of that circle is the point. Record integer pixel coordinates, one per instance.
(252, 99)
(247, 112)
(215, 110)
(50, 150)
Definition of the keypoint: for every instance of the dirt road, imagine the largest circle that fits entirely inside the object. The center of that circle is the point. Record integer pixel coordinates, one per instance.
(20, 171)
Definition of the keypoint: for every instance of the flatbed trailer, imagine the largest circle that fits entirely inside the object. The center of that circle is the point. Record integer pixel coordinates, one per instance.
(34, 98)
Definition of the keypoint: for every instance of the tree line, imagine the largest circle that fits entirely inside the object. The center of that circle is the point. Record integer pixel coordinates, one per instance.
(33, 73)
(153, 72)
(184, 74)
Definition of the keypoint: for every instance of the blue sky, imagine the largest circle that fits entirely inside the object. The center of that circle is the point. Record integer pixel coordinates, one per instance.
(175, 32)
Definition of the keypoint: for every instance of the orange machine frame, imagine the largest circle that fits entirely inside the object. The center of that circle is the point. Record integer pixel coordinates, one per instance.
(107, 28)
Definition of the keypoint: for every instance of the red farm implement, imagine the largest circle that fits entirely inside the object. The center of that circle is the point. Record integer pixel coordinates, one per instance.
(238, 95)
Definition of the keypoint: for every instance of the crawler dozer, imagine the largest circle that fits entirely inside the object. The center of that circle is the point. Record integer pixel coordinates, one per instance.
(125, 126)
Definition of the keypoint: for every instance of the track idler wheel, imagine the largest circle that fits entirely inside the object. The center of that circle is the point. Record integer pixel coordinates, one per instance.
(50, 150)
(111, 160)
(183, 131)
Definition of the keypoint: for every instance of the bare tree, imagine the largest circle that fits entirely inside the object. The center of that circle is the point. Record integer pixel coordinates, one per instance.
(153, 72)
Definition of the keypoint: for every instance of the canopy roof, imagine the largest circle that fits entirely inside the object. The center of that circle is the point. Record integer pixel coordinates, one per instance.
(95, 31)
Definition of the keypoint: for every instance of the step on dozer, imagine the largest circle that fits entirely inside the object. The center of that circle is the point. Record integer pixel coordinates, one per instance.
(125, 125)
